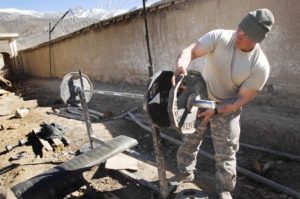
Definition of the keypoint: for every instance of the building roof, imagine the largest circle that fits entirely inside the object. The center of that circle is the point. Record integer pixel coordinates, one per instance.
(8, 36)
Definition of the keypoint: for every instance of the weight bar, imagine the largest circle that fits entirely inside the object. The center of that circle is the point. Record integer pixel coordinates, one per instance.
(121, 94)
(71, 82)
(166, 104)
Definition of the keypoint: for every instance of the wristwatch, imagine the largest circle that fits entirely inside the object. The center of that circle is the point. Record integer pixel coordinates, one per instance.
(216, 112)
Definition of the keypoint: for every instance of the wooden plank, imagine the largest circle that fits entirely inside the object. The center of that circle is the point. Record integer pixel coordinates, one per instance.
(45, 143)
(58, 145)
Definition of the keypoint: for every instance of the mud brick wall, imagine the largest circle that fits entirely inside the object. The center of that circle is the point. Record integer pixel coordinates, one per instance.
(115, 50)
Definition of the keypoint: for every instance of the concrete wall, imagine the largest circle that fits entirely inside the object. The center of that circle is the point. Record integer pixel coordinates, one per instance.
(117, 52)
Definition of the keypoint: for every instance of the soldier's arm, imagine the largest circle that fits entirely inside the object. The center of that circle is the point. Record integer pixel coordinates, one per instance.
(244, 97)
(193, 51)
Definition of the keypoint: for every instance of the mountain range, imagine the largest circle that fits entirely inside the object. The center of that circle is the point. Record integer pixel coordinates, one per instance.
(33, 27)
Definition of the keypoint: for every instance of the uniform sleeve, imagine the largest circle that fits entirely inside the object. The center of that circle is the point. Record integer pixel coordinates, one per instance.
(258, 78)
(210, 39)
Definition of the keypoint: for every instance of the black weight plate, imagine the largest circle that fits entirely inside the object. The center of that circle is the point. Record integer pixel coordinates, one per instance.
(156, 98)
(181, 118)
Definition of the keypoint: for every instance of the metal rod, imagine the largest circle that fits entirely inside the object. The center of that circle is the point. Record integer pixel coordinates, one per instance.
(274, 152)
(51, 30)
(204, 104)
(268, 182)
(131, 95)
(66, 115)
(50, 64)
(85, 111)
(150, 68)
(160, 162)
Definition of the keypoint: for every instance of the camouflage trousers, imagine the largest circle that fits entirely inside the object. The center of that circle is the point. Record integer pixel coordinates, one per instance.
(225, 133)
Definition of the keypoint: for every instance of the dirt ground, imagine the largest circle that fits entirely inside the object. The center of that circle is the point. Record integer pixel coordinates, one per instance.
(42, 95)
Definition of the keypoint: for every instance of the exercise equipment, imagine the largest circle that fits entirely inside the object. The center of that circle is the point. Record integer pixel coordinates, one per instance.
(176, 106)
(166, 105)
(60, 180)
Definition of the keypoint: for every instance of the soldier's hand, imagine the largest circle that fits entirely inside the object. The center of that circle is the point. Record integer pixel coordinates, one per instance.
(206, 115)
(180, 71)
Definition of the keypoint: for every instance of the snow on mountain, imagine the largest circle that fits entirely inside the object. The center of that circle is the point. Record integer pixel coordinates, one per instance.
(77, 12)
(33, 26)
(22, 12)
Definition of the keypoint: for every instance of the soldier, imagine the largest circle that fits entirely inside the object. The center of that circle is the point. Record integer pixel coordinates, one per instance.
(236, 70)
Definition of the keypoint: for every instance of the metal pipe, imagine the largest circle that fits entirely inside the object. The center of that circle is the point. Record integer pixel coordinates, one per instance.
(85, 111)
(204, 104)
(50, 31)
(50, 64)
(160, 161)
(122, 94)
(241, 170)
(150, 68)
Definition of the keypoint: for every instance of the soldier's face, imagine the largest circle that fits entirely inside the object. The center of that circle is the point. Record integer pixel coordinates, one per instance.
(243, 42)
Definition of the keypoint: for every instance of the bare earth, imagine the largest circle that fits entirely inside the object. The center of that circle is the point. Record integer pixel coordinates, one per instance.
(42, 95)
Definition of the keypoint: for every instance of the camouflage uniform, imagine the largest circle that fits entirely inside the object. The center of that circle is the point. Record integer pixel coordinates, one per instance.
(225, 132)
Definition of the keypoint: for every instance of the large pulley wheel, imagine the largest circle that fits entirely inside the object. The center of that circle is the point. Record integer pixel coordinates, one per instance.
(68, 85)
(182, 113)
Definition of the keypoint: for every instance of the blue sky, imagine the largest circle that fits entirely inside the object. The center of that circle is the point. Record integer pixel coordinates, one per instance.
(64, 5)
(47, 5)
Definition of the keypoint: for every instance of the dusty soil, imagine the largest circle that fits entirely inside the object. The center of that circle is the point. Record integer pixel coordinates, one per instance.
(42, 95)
